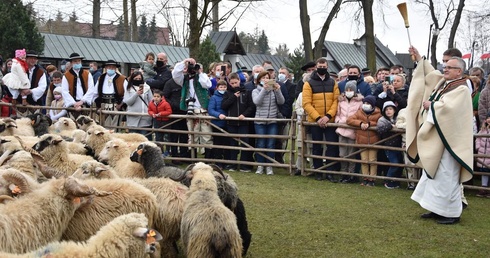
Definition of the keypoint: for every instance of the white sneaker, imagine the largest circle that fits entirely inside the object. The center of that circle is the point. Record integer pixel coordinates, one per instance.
(260, 170)
(269, 171)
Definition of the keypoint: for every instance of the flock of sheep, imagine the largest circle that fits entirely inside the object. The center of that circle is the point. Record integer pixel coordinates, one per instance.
(76, 189)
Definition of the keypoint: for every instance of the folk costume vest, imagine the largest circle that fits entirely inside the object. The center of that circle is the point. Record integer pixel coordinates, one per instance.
(201, 94)
(72, 79)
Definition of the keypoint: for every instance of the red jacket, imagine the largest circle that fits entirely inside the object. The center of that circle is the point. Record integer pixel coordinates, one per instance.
(163, 109)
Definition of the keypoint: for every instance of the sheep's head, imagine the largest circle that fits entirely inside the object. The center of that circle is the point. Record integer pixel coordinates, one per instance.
(144, 151)
(38, 118)
(46, 141)
(202, 177)
(92, 169)
(13, 183)
(111, 149)
(7, 123)
(83, 122)
(64, 123)
(137, 225)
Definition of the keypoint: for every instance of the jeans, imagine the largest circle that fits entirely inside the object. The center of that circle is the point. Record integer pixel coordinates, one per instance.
(267, 143)
(327, 134)
(395, 157)
(158, 124)
(147, 134)
(244, 155)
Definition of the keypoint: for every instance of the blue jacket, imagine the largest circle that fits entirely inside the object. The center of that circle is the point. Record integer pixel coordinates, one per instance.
(214, 109)
(362, 86)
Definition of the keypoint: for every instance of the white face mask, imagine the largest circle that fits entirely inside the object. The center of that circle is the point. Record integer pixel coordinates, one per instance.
(256, 75)
(218, 74)
(367, 107)
(281, 77)
(349, 94)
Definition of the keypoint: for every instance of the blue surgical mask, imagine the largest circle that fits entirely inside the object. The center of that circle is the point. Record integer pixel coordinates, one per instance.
(63, 68)
(92, 69)
(222, 91)
(111, 72)
(262, 83)
(281, 77)
(256, 75)
(56, 85)
(77, 66)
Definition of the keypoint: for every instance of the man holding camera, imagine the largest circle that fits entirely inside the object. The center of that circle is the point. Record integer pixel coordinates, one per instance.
(194, 99)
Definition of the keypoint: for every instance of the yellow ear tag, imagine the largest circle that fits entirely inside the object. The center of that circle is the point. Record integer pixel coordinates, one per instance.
(77, 200)
(150, 239)
(15, 189)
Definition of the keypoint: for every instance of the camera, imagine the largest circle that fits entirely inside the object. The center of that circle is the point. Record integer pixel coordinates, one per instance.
(192, 68)
(190, 105)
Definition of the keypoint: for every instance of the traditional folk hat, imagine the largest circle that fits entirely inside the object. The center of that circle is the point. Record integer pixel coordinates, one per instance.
(32, 53)
(308, 65)
(76, 56)
(111, 62)
(365, 70)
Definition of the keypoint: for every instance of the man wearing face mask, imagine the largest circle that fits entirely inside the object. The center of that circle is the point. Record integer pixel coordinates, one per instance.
(354, 73)
(76, 85)
(256, 70)
(320, 100)
(163, 73)
(109, 92)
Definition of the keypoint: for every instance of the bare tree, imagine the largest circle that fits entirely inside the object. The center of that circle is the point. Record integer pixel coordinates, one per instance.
(134, 22)
(456, 22)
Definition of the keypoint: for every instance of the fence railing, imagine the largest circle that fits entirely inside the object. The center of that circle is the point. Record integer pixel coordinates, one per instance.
(291, 152)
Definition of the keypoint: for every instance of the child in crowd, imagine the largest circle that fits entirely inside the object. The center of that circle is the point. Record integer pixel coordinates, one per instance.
(349, 102)
(237, 102)
(17, 80)
(214, 109)
(58, 102)
(367, 116)
(159, 109)
(385, 124)
(412, 173)
(146, 66)
(483, 148)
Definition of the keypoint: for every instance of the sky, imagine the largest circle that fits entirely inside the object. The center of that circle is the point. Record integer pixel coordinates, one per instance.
(280, 21)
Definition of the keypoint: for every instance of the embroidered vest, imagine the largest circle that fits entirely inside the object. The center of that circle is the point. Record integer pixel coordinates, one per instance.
(72, 79)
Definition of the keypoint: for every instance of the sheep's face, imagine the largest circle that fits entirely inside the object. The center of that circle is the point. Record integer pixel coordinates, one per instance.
(110, 150)
(95, 134)
(84, 121)
(37, 119)
(46, 141)
(91, 169)
(64, 123)
(142, 150)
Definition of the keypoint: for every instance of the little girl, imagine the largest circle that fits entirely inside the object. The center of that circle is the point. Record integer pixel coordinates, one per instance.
(146, 66)
(17, 79)
(58, 102)
(367, 116)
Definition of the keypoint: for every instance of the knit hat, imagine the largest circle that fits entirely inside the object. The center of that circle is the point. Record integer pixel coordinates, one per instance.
(370, 100)
(352, 85)
(57, 90)
(20, 53)
(388, 104)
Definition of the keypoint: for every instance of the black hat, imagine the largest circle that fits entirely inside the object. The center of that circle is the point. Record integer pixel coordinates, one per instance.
(32, 53)
(333, 74)
(111, 62)
(308, 65)
(76, 56)
(365, 70)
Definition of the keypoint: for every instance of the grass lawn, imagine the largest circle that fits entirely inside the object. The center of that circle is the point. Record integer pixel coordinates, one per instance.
(300, 217)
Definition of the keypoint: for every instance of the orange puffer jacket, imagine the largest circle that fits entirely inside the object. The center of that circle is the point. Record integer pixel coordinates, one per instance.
(368, 136)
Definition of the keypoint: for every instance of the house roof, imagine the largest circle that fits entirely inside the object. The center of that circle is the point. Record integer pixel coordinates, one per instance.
(100, 50)
(227, 42)
(406, 60)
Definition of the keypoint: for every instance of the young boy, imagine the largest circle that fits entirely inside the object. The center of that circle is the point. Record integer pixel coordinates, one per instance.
(237, 102)
(58, 102)
(214, 109)
(159, 109)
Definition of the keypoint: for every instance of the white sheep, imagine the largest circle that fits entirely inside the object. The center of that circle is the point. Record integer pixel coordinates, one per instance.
(64, 126)
(116, 154)
(127, 236)
(84, 122)
(21, 127)
(208, 228)
(24, 162)
(170, 196)
(15, 183)
(55, 152)
(40, 217)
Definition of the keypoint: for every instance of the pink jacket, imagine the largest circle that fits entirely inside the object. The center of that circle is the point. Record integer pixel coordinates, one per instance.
(483, 147)
(345, 109)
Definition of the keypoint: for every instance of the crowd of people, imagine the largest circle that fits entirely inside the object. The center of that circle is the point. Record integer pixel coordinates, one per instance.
(371, 103)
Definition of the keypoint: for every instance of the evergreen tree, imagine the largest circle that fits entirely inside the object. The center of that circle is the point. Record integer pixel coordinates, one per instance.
(282, 51)
(296, 61)
(143, 30)
(263, 44)
(18, 29)
(207, 53)
(73, 28)
(120, 30)
(248, 42)
(152, 31)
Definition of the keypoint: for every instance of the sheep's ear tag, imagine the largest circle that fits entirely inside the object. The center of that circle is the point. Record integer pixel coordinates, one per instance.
(77, 200)
(14, 189)
(151, 236)
(140, 151)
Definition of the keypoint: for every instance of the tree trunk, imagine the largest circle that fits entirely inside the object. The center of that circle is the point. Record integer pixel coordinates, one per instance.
(215, 26)
(126, 20)
(194, 34)
(134, 22)
(454, 27)
(433, 48)
(369, 33)
(321, 38)
(96, 19)
(305, 27)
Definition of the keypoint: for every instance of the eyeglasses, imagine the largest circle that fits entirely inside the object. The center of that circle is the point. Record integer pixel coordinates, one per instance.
(451, 67)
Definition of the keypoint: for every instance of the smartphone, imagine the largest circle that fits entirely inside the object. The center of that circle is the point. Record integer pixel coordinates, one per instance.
(389, 79)
(271, 83)
(223, 69)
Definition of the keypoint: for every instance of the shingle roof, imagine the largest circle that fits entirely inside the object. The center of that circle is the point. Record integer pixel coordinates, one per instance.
(100, 50)
(227, 42)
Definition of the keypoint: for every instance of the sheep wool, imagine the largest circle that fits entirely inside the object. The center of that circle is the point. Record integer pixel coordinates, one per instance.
(116, 154)
(127, 236)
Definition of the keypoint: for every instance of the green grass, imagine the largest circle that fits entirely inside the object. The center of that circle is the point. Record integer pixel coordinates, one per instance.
(300, 217)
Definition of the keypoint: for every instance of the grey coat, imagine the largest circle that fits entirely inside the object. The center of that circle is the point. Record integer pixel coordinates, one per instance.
(266, 102)
(135, 104)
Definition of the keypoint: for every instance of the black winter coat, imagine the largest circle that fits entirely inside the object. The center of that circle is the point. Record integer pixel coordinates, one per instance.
(235, 106)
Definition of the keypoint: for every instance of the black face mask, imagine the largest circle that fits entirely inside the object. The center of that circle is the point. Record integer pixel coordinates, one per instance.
(321, 71)
(353, 77)
(137, 82)
(160, 63)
